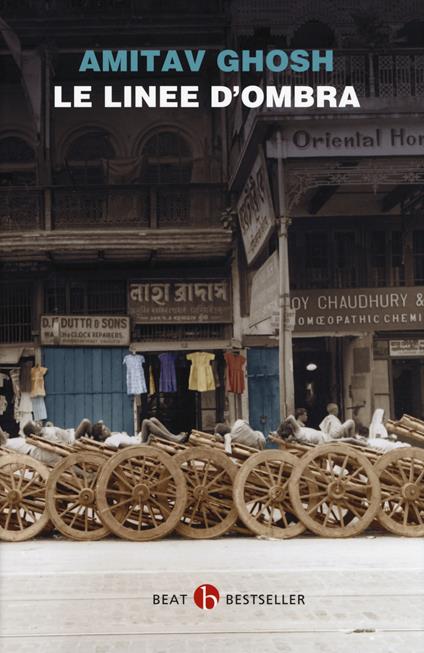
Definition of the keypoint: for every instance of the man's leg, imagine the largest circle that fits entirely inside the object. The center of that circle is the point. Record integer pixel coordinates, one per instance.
(155, 427)
(348, 428)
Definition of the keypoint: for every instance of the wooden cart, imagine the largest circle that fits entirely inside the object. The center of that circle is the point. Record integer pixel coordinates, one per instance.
(23, 504)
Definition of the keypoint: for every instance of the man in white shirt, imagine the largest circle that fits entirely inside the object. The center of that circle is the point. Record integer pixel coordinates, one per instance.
(240, 433)
(332, 426)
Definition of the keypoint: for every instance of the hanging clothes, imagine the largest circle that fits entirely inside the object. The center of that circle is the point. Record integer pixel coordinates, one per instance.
(136, 382)
(25, 377)
(23, 413)
(168, 378)
(37, 381)
(235, 373)
(201, 374)
(3, 378)
(39, 409)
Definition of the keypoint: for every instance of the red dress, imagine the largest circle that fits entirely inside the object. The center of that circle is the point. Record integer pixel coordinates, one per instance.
(235, 373)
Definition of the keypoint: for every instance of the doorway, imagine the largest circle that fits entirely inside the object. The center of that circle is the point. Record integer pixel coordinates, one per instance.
(312, 381)
(408, 387)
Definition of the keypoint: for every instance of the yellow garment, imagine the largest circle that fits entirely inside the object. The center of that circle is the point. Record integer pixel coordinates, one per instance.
(152, 387)
(37, 381)
(201, 373)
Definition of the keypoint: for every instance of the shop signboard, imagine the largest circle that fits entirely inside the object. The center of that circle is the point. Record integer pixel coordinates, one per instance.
(331, 139)
(180, 301)
(85, 330)
(264, 295)
(359, 310)
(413, 347)
(255, 210)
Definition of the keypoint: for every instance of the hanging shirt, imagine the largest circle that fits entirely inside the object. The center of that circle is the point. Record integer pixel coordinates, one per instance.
(201, 375)
(168, 379)
(136, 382)
(37, 381)
(235, 373)
(3, 378)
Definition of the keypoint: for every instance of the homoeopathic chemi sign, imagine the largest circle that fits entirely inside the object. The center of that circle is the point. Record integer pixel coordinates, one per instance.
(359, 309)
(85, 330)
(351, 310)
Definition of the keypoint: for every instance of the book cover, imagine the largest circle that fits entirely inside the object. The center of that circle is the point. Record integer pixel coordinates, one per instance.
(211, 325)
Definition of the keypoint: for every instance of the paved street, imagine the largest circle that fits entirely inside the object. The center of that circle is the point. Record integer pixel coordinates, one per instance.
(361, 595)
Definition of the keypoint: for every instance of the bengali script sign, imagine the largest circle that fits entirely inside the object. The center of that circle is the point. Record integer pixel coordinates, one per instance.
(359, 309)
(85, 330)
(180, 301)
(264, 295)
(255, 209)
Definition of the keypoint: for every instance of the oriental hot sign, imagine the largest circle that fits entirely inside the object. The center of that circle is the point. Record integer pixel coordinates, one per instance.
(85, 330)
(184, 302)
(359, 309)
(255, 210)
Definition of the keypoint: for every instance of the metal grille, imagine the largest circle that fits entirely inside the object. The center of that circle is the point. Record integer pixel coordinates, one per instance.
(15, 313)
(160, 332)
(90, 297)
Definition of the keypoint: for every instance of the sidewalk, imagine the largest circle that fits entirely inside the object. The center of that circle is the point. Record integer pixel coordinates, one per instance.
(361, 595)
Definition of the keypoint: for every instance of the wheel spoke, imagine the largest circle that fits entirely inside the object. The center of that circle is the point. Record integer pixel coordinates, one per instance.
(317, 505)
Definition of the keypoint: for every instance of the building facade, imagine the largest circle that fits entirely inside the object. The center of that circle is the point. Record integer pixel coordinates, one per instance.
(350, 184)
(111, 231)
(120, 229)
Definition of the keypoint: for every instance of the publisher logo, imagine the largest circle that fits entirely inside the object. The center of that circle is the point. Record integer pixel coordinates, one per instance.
(206, 597)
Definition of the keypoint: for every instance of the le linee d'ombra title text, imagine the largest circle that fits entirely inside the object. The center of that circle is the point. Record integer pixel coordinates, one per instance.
(291, 65)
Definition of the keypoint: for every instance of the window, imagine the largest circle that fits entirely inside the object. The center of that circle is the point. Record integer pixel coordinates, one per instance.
(87, 298)
(168, 164)
(16, 313)
(85, 166)
(316, 260)
(418, 250)
(378, 258)
(344, 258)
(87, 156)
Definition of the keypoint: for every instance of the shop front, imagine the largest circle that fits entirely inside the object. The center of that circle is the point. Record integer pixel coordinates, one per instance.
(82, 356)
(358, 347)
(182, 331)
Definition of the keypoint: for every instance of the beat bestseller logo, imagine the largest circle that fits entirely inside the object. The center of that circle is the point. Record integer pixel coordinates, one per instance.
(206, 597)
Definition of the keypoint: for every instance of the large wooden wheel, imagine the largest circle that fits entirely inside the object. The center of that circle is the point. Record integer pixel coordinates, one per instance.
(23, 509)
(262, 497)
(210, 510)
(401, 474)
(71, 496)
(141, 493)
(347, 496)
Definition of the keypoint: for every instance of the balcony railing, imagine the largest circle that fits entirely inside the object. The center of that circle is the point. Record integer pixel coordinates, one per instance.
(106, 207)
(154, 207)
(20, 210)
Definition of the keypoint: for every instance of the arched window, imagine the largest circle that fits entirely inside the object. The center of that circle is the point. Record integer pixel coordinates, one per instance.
(85, 166)
(87, 156)
(167, 166)
(168, 159)
(19, 207)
